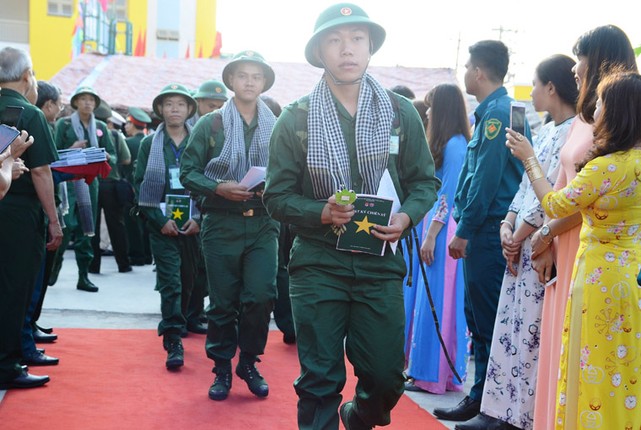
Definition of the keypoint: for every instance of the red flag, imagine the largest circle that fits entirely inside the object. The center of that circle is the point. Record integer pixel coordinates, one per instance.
(215, 53)
(104, 4)
(144, 43)
(187, 53)
(138, 49)
(200, 52)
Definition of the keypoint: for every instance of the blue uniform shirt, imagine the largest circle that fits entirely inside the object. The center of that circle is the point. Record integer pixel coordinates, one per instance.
(490, 175)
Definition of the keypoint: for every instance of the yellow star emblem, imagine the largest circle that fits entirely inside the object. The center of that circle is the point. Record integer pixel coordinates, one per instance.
(364, 225)
(177, 214)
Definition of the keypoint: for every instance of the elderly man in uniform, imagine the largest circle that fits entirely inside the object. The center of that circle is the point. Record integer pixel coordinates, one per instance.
(343, 136)
(239, 239)
(22, 215)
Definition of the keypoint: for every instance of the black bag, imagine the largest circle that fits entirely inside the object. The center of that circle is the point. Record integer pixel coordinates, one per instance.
(124, 192)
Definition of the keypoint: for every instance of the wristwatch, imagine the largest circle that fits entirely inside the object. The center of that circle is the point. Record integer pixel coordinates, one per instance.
(546, 233)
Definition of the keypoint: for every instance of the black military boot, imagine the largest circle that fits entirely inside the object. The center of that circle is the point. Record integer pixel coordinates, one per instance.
(84, 284)
(175, 352)
(219, 390)
(350, 420)
(246, 370)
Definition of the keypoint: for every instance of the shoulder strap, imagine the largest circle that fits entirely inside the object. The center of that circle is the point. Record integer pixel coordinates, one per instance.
(216, 123)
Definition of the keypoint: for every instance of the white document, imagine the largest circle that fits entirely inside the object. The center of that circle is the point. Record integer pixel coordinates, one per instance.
(255, 176)
(386, 189)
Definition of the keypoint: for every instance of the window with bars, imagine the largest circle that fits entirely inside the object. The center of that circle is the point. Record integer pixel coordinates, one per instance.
(60, 7)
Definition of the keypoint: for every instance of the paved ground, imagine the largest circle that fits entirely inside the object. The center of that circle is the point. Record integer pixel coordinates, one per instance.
(128, 300)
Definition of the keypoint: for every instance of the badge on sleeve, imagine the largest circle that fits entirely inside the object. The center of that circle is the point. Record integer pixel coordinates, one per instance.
(492, 128)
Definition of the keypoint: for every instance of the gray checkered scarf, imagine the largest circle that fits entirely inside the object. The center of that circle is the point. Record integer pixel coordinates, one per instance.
(327, 156)
(232, 163)
(83, 198)
(152, 187)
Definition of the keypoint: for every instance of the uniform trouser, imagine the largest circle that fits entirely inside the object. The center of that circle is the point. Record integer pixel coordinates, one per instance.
(354, 303)
(73, 230)
(22, 245)
(193, 305)
(28, 343)
(483, 268)
(175, 273)
(241, 261)
(115, 219)
(283, 306)
(138, 240)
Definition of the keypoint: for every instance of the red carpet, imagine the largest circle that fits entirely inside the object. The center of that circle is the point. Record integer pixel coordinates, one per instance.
(116, 379)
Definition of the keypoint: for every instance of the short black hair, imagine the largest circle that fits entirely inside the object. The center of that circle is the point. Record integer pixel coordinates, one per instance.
(493, 57)
(403, 90)
(46, 92)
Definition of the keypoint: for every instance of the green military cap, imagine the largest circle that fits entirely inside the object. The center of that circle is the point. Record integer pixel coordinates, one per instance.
(84, 90)
(212, 90)
(337, 15)
(138, 117)
(103, 111)
(174, 90)
(250, 57)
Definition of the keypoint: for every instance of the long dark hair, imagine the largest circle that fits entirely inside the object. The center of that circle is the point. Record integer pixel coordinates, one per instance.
(618, 127)
(606, 47)
(557, 70)
(448, 118)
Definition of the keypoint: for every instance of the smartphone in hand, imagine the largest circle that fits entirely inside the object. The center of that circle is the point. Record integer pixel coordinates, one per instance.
(11, 115)
(517, 117)
(7, 136)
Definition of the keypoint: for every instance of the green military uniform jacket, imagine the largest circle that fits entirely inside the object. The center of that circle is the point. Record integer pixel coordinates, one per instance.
(122, 152)
(42, 152)
(65, 137)
(490, 175)
(206, 142)
(133, 143)
(154, 216)
(289, 195)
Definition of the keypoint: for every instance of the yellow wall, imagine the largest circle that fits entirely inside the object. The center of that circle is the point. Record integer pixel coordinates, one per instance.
(522, 92)
(137, 15)
(205, 27)
(49, 39)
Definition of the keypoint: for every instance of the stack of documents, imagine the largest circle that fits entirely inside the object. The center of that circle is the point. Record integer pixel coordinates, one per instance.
(79, 157)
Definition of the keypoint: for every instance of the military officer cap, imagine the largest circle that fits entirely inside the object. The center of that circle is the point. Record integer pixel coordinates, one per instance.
(211, 90)
(174, 90)
(138, 117)
(337, 15)
(83, 90)
(116, 118)
(250, 57)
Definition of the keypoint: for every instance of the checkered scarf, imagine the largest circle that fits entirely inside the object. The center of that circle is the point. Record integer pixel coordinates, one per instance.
(232, 163)
(327, 156)
(83, 198)
(152, 187)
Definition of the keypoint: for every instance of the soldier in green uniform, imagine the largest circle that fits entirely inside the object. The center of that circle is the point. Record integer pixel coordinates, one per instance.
(22, 216)
(239, 239)
(487, 184)
(211, 95)
(344, 135)
(137, 234)
(173, 247)
(83, 130)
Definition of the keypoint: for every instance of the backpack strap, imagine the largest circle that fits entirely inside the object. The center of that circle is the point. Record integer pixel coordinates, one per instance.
(216, 123)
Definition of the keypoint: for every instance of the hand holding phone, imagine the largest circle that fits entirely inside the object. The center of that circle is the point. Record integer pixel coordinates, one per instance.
(7, 136)
(517, 117)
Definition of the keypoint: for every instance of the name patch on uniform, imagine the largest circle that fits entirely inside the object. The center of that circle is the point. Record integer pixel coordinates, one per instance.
(492, 128)
(393, 145)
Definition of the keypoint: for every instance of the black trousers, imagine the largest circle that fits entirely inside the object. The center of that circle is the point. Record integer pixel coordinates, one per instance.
(115, 218)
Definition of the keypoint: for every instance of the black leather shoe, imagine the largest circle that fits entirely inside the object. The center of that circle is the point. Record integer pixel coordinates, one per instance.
(289, 338)
(41, 337)
(483, 422)
(47, 330)
(183, 331)
(350, 420)
(219, 390)
(175, 353)
(84, 284)
(467, 409)
(125, 269)
(40, 350)
(197, 328)
(25, 380)
(39, 359)
(255, 382)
